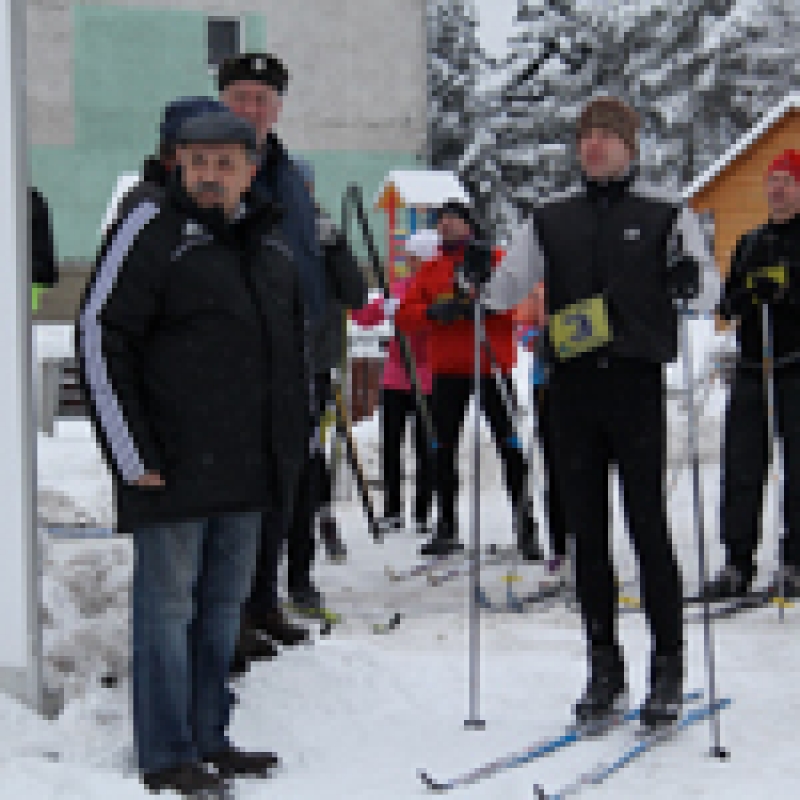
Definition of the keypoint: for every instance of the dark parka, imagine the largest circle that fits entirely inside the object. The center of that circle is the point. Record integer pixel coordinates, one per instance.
(191, 340)
(279, 181)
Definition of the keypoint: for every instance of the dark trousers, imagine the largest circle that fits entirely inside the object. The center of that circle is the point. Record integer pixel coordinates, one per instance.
(397, 405)
(451, 393)
(604, 413)
(745, 465)
(554, 503)
(293, 523)
(314, 490)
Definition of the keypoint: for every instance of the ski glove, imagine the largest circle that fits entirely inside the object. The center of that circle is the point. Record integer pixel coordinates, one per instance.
(683, 275)
(449, 311)
(767, 290)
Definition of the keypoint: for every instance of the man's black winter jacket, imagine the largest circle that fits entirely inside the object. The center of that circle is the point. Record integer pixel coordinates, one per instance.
(191, 337)
(768, 246)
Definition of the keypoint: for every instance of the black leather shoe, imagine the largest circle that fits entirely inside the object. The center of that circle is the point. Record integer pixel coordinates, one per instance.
(275, 625)
(232, 761)
(188, 780)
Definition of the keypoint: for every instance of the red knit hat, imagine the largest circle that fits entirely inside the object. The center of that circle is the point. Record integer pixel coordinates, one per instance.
(787, 161)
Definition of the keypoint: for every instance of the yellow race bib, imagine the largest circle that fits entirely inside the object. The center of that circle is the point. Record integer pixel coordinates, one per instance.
(579, 328)
(777, 274)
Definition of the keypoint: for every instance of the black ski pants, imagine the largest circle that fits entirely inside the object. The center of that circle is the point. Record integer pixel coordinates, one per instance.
(451, 393)
(397, 405)
(745, 465)
(613, 411)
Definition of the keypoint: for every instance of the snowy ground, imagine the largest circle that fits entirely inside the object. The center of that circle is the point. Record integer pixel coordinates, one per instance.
(356, 714)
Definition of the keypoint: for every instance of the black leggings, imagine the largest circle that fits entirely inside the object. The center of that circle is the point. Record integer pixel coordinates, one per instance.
(616, 414)
(451, 393)
(397, 406)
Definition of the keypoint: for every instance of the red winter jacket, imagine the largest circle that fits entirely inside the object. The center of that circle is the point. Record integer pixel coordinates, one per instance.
(452, 345)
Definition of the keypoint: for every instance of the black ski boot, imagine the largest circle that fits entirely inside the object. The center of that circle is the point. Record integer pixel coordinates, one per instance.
(331, 540)
(664, 702)
(250, 647)
(188, 780)
(275, 625)
(606, 694)
(528, 538)
(444, 543)
(731, 582)
(306, 599)
(232, 762)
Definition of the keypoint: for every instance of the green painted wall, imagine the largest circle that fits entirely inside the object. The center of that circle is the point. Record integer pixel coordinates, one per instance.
(128, 63)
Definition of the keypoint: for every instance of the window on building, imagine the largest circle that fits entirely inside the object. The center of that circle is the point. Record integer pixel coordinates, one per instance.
(224, 39)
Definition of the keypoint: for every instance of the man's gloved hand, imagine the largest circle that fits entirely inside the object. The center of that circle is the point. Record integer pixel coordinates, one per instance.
(477, 263)
(766, 289)
(449, 311)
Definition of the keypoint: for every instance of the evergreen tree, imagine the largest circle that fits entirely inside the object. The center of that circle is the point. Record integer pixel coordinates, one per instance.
(455, 63)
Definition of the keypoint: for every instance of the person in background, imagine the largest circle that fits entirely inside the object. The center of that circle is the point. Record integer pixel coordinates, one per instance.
(398, 401)
(253, 86)
(345, 288)
(439, 301)
(765, 271)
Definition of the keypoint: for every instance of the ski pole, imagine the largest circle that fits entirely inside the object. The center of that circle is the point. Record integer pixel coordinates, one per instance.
(512, 407)
(474, 722)
(708, 643)
(769, 390)
(353, 197)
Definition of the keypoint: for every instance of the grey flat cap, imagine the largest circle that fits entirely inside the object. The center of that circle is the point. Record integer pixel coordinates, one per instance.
(218, 127)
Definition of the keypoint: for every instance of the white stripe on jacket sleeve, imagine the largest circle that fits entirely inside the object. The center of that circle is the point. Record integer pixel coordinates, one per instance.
(107, 406)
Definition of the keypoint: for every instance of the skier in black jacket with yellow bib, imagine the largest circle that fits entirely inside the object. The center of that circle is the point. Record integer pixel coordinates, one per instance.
(765, 271)
(613, 257)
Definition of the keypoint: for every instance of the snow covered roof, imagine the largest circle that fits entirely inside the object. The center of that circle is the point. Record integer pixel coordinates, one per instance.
(420, 187)
(790, 102)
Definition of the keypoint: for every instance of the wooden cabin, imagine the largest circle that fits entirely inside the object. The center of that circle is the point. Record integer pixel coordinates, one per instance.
(731, 191)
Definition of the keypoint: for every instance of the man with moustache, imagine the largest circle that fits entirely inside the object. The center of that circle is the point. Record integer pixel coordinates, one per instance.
(191, 339)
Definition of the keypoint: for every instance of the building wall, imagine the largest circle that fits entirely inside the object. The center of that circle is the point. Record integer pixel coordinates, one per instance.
(99, 74)
(736, 196)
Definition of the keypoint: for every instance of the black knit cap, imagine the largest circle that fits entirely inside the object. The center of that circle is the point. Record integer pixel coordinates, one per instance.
(457, 208)
(261, 67)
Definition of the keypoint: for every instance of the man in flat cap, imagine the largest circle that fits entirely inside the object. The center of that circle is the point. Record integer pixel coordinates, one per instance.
(191, 340)
(616, 259)
(253, 87)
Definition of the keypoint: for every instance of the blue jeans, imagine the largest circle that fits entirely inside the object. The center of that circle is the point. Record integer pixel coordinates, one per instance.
(189, 582)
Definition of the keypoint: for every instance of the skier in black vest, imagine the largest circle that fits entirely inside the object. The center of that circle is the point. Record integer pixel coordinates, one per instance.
(614, 258)
(765, 270)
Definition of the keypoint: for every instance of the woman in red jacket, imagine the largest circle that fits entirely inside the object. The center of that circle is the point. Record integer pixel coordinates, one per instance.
(436, 302)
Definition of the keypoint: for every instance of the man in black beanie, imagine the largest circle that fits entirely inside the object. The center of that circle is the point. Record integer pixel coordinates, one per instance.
(252, 86)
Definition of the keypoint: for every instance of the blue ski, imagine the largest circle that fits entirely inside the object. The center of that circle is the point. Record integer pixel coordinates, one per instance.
(543, 748)
(646, 742)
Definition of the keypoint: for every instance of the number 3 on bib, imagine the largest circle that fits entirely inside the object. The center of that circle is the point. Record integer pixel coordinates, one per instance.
(580, 328)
